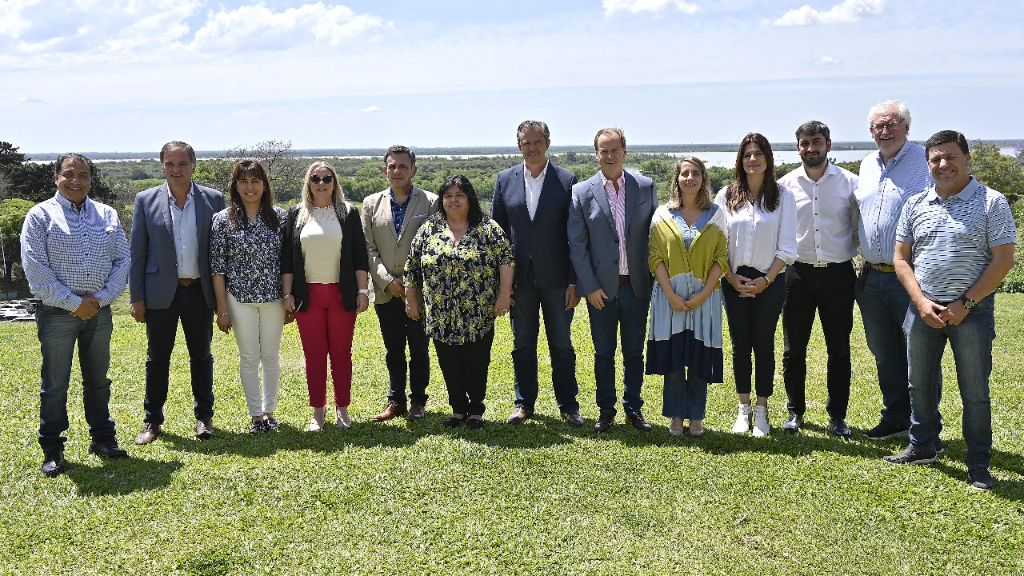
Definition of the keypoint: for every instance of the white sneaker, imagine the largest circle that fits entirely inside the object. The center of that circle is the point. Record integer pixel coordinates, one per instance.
(760, 421)
(341, 417)
(742, 425)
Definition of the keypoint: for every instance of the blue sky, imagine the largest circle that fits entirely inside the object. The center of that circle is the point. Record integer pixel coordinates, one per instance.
(128, 75)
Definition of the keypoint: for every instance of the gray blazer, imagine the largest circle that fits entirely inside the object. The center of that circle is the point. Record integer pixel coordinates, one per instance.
(153, 275)
(594, 244)
(386, 250)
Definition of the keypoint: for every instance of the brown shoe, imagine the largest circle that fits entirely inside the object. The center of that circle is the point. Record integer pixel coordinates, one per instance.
(392, 410)
(519, 415)
(204, 429)
(148, 434)
(416, 412)
(573, 419)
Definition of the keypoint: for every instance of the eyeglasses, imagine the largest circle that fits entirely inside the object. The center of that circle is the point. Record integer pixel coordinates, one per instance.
(890, 125)
(317, 179)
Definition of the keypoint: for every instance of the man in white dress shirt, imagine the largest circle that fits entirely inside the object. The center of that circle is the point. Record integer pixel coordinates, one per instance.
(822, 278)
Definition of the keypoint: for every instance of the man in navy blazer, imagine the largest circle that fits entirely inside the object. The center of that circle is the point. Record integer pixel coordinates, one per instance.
(531, 204)
(609, 229)
(170, 281)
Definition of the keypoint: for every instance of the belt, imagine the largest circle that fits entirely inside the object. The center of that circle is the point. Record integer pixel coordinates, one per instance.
(188, 281)
(824, 264)
(883, 267)
(623, 278)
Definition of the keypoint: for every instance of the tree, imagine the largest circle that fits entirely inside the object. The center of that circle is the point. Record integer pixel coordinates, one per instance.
(9, 155)
(997, 171)
(12, 215)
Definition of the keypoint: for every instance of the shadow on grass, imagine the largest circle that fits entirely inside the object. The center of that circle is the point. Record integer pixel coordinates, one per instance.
(121, 476)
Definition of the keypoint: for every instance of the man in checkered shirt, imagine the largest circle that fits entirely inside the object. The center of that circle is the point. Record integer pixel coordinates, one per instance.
(75, 257)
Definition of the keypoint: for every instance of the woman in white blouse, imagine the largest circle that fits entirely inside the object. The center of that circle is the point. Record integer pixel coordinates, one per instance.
(761, 230)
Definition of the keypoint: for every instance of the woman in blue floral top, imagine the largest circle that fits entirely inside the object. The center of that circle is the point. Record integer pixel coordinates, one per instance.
(459, 277)
(245, 260)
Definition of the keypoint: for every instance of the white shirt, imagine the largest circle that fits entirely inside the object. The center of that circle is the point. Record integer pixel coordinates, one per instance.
(186, 236)
(533, 187)
(826, 214)
(755, 237)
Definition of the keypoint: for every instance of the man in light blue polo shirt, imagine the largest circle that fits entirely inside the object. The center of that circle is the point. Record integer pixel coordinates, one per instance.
(954, 246)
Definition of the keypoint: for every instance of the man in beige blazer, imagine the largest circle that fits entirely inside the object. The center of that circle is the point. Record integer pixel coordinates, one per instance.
(390, 220)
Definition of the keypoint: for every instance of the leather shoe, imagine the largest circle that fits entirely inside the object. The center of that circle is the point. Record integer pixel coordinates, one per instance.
(839, 428)
(390, 411)
(416, 412)
(204, 429)
(638, 422)
(573, 419)
(519, 415)
(53, 463)
(794, 423)
(149, 433)
(604, 422)
(107, 448)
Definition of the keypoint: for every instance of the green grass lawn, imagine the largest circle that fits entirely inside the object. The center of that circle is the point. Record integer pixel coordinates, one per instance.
(536, 499)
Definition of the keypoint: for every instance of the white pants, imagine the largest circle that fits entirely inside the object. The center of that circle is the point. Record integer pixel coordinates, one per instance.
(258, 329)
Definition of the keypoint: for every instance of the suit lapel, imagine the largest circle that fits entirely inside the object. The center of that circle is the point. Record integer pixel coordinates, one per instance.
(163, 204)
(632, 194)
(416, 199)
(546, 188)
(601, 195)
(202, 211)
(517, 192)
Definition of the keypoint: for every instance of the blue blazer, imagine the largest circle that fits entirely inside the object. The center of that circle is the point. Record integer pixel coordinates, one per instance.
(544, 239)
(594, 244)
(153, 275)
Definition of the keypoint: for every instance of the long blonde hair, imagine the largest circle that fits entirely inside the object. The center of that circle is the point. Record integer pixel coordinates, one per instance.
(337, 195)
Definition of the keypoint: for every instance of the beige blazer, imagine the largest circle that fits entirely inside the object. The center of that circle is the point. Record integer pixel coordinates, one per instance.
(386, 250)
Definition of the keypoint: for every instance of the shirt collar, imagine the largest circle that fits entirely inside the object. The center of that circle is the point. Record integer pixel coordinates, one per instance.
(188, 196)
(68, 204)
(528, 174)
(967, 193)
(621, 181)
(391, 194)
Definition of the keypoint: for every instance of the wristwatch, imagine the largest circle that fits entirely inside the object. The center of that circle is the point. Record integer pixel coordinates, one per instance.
(967, 302)
(364, 290)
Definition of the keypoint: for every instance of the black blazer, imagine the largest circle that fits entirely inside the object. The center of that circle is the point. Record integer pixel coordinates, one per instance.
(353, 257)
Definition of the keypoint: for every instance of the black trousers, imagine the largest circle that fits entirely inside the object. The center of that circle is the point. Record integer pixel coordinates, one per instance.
(464, 367)
(752, 324)
(396, 329)
(830, 292)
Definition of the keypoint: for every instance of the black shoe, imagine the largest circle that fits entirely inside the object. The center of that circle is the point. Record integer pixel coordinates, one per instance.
(204, 429)
(454, 421)
(520, 415)
(638, 422)
(258, 427)
(980, 479)
(939, 446)
(53, 463)
(107, 448)
(604, 422)
(885, 430)
(475, 423)
(794, 423)
(839, 428)
(573, 419)
(910, 455)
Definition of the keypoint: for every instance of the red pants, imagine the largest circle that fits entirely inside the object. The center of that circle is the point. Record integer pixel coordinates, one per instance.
(326, 329)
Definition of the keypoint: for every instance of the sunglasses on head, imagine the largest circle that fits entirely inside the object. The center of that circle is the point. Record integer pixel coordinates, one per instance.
(317, 179)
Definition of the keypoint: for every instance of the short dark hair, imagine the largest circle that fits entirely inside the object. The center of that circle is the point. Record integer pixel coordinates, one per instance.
(72, 157)
(527, 125)
(813, 127)
(945, 137)
(178, 145)
(476, 214)
(399, 149)
(617, 131)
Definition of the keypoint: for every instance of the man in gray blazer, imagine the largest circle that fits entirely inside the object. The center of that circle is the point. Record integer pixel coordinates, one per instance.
(390, 220)
(609, 229)
(531, 204)
(169, 280)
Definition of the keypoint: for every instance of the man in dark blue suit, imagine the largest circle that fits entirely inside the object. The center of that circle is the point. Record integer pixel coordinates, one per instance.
(531, 204)
(170, 280)
(609, 228)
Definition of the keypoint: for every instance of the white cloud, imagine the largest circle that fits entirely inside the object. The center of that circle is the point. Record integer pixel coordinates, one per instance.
(371, 109)
(12, 21)
(30, 100)
(829, 60)
(259, 26)
(638, 6)
(846, 12)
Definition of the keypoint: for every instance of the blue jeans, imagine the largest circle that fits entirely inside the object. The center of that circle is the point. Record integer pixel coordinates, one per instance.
(396, 329)
(684, 397)
(629, 312)
(883, 304)
(971, 342)
(59, 331)
(189, 306)
(530, 301)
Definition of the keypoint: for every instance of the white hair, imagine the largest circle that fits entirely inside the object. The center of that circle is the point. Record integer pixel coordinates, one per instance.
(886, 105)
